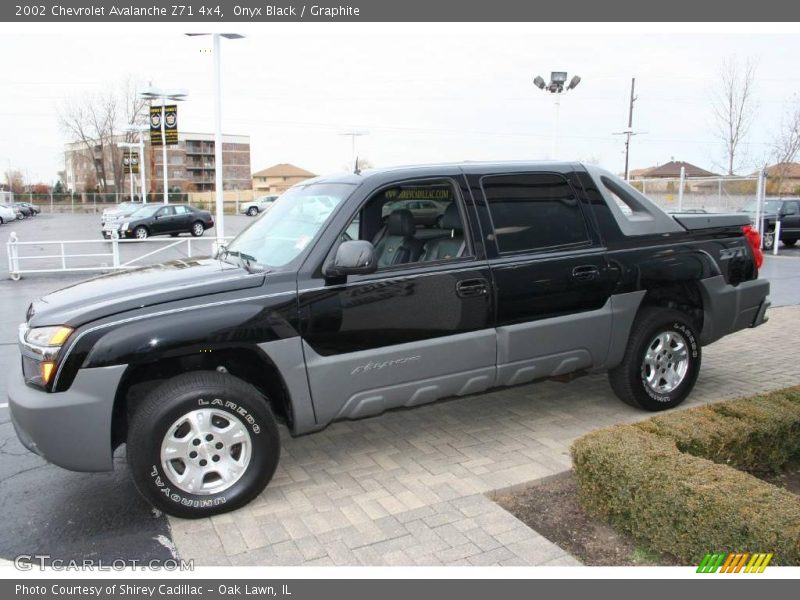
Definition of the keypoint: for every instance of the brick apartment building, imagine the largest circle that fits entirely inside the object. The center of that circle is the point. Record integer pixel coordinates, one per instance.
(191, 166)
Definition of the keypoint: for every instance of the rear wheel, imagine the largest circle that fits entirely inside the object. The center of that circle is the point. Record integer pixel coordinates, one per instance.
(661, 362)
(201, 444)
(769, 240)
(197, 229)
(790, 242)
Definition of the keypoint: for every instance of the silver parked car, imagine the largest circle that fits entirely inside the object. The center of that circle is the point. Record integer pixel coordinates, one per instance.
(259, 205)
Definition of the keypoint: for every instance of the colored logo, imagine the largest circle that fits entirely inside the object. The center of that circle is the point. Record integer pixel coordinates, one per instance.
(735, 562)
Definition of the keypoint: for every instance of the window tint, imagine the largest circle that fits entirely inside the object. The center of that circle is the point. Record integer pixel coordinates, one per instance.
(790, 208)
(166, 211)
(533, 211)
(181, 210)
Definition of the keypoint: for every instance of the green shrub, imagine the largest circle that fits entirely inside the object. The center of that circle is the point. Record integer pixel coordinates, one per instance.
(757, 434)
(654, 481)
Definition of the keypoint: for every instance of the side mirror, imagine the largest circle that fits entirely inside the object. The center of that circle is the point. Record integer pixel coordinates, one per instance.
(353, 257)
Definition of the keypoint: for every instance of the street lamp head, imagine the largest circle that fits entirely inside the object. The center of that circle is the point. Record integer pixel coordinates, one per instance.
(539, 82)
(558, 77)
(574, 83)
(227, 36)
(159, 94)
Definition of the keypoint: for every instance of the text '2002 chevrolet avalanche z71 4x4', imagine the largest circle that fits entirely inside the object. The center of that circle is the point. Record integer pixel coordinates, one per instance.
(326, 308)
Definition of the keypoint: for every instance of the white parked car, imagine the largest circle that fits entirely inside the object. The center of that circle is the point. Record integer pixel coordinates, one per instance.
(259, 205)
(119, 212)
(7, 214)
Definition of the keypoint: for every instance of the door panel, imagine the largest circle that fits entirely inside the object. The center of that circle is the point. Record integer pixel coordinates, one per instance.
(553, 313)
(406, 335)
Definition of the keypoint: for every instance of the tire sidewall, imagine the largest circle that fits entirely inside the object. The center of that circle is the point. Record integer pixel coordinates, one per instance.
(252, 211)
(149, 473)
(649, 398)
(194, 228)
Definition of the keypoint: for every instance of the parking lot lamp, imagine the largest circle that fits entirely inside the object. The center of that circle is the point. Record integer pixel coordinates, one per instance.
(141, 130)
(219, 223)
(164, 95)
(558, 86)
(130, 146)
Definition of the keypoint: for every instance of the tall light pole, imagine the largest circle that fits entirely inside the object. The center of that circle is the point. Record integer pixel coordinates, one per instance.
(141, 130)
(163, 96)
(558, 86)
(218, 191)
(130, 146)
(353, 135)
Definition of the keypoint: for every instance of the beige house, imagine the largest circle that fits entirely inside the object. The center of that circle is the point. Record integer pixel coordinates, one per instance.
(279, 178)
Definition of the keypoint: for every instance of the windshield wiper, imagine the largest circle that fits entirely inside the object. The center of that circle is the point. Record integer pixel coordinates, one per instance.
(246, 261)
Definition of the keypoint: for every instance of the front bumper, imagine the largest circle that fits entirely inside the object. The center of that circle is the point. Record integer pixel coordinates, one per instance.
(71, 429)
(728, 308)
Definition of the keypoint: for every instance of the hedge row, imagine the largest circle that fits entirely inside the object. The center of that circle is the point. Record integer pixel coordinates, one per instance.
(666, 480)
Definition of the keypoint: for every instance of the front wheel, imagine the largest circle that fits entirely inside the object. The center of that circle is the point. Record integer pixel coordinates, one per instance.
(201, 444)
(141, 233)
(789, 243)
(252, 211)
(197, 229)
(661, 362)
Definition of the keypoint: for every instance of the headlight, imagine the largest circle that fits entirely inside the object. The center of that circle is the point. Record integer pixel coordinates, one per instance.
(40, 350)
(125, 225)
(51, 337)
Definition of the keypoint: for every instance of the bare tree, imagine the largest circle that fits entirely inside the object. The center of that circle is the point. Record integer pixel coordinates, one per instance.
(733, 105)
(96, 123)
(15, 181)
(786, 144)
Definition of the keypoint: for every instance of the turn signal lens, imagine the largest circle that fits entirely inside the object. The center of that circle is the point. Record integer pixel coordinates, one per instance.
(47, 369)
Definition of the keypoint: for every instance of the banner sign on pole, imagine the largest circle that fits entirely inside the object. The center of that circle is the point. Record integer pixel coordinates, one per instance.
(130, 161)
(170, 124)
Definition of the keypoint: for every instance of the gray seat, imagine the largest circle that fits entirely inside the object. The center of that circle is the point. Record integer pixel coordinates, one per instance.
(447, 247)
(397, 244)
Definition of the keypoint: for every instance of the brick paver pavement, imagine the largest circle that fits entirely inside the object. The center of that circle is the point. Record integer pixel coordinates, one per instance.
(413, 487)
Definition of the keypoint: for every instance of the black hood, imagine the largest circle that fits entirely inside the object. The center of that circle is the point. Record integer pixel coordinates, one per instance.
(145, 286)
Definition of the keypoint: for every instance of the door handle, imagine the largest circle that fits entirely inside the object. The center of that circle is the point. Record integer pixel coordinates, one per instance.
(469, 288)
(585, 273)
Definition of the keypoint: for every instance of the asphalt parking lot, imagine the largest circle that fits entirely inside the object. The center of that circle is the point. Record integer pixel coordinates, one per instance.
(407, 487)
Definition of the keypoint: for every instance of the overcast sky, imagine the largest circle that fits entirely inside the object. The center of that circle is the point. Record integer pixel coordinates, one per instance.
(424, 94)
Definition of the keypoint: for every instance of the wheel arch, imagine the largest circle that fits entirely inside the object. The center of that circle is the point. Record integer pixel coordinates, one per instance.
(246, 362)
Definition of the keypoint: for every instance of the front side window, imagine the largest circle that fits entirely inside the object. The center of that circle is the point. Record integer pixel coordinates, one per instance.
(401, 234)
(533, 211)
(294, 220)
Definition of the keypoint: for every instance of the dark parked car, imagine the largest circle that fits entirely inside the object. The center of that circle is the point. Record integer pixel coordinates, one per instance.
(319, 311)
(161, 219)
(27, 210)
(785, 209)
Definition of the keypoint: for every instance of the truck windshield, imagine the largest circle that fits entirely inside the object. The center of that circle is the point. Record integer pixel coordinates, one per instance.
(770, 206)
(294, 220)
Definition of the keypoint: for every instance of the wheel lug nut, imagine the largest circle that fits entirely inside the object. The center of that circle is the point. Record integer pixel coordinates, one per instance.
(203, 462)
(209, 437)
(215, 458)
(218, 446)
(196, 441)
(192, 454)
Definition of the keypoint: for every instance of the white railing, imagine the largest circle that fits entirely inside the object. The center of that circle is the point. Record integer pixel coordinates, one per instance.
(62, 254)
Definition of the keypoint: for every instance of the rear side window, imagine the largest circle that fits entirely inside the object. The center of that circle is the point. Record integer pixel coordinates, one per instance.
(533, 211)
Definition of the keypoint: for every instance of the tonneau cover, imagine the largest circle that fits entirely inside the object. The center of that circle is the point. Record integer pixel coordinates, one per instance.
(709, 221)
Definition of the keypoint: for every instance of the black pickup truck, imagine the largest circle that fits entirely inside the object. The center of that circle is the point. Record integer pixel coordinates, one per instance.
(323, 309)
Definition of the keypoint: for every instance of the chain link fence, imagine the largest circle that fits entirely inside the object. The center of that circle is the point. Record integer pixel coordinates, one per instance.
(95, 203)
(709, 194)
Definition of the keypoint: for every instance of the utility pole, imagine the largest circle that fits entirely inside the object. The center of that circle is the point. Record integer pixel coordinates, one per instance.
(629, 132)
